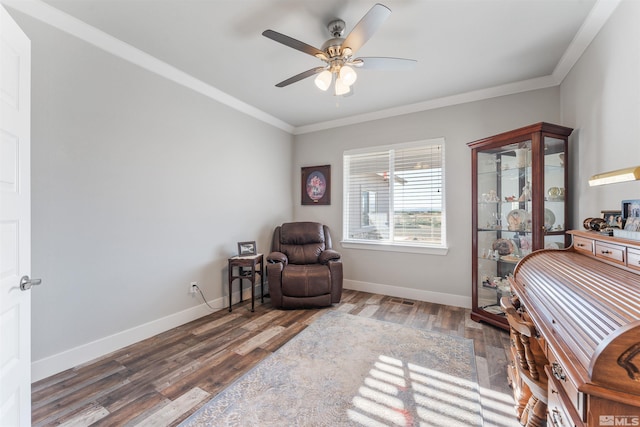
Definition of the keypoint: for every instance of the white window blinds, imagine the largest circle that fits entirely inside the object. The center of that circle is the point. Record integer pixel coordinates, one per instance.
(395, 194)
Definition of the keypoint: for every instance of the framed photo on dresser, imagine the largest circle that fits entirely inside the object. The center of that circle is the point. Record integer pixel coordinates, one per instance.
(612, 218)
(630, 209)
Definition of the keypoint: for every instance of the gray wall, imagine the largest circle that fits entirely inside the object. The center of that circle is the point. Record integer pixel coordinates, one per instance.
(438, 278)
(139, 187)
(601, 99)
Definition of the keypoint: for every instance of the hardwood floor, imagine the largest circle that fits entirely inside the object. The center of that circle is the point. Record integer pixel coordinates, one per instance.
(164, 379)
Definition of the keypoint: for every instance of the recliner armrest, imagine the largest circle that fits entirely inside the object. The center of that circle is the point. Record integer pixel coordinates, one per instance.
(275, 257)
(329, 255)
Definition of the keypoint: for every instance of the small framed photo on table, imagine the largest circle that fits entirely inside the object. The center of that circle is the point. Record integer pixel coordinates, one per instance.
(246, 248)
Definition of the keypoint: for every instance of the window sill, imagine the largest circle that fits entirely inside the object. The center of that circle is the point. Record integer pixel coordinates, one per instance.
(373, 246)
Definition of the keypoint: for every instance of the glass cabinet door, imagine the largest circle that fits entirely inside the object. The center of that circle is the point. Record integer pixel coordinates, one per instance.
(519, 193)
(504, 219)
(555, 193)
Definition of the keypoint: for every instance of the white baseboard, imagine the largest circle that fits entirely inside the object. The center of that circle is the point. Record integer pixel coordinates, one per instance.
(82, 354)
(85, 353)
(410, 293)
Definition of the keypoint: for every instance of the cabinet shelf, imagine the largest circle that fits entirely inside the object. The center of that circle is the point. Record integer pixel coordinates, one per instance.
(507, 173)
(510, 202)
(525, 164)
(504, 230)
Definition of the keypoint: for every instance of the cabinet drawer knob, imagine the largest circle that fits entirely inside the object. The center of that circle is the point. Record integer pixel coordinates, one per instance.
(604, 252)
(557, 371)
(556, 418)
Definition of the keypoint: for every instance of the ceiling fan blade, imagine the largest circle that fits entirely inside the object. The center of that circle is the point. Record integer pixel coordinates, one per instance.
(295, 44)
(367, 26)
(301, 76)
(393, 64)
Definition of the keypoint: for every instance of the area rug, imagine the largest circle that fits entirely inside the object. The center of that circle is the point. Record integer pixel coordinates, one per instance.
(347, 370)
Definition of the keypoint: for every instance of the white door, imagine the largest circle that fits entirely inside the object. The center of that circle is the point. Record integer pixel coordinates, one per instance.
(15, 224)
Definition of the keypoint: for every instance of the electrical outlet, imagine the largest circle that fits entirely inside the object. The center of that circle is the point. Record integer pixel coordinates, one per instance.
(193, 287)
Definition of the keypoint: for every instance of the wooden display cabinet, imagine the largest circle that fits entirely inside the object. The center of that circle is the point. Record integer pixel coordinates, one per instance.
(519, 193)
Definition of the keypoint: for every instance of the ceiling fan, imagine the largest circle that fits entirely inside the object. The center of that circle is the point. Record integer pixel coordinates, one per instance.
(338, 53)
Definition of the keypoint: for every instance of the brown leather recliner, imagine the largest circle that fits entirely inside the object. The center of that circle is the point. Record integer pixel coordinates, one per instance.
(303, 270)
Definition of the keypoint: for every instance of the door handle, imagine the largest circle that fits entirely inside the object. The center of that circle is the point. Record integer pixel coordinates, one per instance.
(26, 283)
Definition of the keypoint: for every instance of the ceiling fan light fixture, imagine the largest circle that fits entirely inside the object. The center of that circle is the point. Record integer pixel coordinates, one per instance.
(324, 79)
(348, 75)
(341, 87)
(338, 53)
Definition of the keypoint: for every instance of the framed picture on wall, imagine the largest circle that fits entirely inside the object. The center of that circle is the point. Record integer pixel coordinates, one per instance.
(315, 185)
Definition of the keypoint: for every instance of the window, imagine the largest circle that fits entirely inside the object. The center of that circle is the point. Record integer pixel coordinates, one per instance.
(394, 195)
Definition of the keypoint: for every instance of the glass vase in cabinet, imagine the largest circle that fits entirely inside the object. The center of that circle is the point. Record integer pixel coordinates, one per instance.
(519, 193)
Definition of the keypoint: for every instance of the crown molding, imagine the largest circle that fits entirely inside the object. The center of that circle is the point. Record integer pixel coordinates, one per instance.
(462, 98)
(598, 16)
(592, 25)
(73, 26)
(41, 11)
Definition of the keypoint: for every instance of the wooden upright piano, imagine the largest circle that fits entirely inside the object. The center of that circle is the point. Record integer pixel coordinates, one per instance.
(575, 329)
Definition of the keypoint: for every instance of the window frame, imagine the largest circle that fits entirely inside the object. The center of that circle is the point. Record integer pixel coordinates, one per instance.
(390, 245)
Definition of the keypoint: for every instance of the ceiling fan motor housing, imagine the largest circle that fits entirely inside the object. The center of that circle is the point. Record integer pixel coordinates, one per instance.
(333, 47)
(338, 52)
(336, 27)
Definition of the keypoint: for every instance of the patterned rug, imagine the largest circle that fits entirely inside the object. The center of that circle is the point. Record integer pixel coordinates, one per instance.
(346, 370)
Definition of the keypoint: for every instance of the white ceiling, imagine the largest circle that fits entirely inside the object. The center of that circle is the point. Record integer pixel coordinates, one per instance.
(466, 49)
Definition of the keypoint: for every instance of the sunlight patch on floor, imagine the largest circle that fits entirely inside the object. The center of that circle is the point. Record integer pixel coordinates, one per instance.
(498, 409)
(395, 392)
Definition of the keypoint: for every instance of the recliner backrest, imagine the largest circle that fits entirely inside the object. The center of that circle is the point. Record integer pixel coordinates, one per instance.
(301, 242)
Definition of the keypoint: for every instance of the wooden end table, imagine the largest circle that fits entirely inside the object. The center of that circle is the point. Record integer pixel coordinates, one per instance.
(247, 266)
